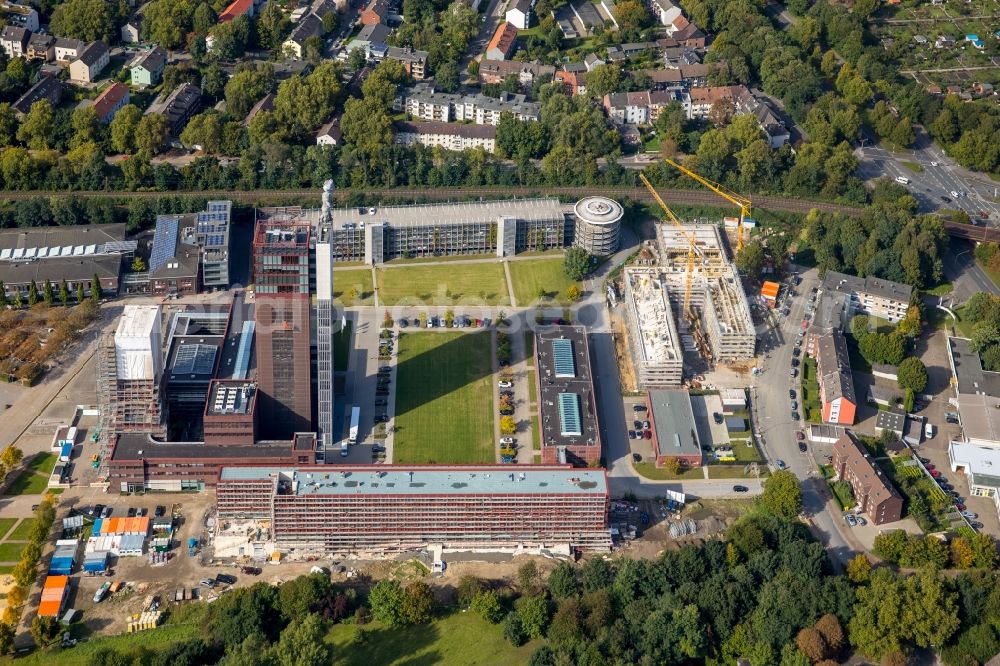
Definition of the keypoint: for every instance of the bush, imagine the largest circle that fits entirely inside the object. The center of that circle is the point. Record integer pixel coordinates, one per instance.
(486, 604)
(513, 630)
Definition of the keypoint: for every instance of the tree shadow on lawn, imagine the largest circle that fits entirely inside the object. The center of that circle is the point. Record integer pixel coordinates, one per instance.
(386, 645)
(443, 369)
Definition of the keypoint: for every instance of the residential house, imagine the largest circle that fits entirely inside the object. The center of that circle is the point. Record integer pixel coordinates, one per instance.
(838, 401)
(178, 107)
(329, 134)
(113, 98)
(414, 62)
(371, 38)
(642, 108)
(768, 121)
(920, 39)
(592, 61)
(266, 103)
(702, 99)
(873, 491)
(690, 35)
(90, 63)
(676, 57)
(983, 89)
(497, 71)
(148, 67)
(666, 11)
(630, 134)
(237, 8)
(422, 101)
(944, 41)
(519, 14)
(310, 26)
(871, 296)
(450, 136)
(41, 47)
(68, 50)
(14, 41)
(376, 12)
(48, 87)
(503, 43)
(934, 90)
(22, 16)
(573, 82)
(131, 31)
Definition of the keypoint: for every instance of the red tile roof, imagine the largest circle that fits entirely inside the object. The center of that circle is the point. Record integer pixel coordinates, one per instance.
(109, 99)
(503, 38)
(237, 8)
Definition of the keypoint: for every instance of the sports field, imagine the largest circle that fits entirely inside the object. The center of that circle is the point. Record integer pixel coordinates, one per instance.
(447, 284)
(533, 277)
(444, 399)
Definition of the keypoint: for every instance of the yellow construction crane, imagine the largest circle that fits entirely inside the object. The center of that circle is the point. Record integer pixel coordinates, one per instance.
(734, 198)
(692, 248)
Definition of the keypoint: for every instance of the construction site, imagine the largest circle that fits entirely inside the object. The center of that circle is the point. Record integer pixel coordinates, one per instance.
(685, 298)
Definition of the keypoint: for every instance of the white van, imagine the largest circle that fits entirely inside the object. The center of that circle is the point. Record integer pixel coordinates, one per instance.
(928, 431)
(902, 181)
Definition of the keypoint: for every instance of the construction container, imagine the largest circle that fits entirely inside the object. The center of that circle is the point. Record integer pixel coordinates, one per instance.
(96, 562)
(54, 592)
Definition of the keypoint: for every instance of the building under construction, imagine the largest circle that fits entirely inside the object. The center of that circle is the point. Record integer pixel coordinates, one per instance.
(718, 325)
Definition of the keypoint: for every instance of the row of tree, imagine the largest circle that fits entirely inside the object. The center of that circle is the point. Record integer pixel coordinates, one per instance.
(25, 572)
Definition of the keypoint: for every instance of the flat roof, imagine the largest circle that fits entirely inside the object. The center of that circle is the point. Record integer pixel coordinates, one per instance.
(138, 322)
(473, 211)
(59, 237)
(567, 401)
(428, 480)
(230, 397)
(980, 417)
(673, 419)
(968, 370)
(886, 420)
(982, 461)
(659, 341)
(130, 445)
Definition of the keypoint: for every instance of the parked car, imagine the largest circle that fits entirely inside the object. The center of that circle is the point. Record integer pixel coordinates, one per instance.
(380, 402)
(207, 582)
(638, 434)
(936, 474)
(638, 408)
(861, 521)
(780, 464)
(251, 571)
(107, 512)
(717, 417)
(801, 436)
(131, 512)
(795, 416)
(796, 351)
(959, 506)
(802, 447)
(508, 441)
(930, 467)
(226, 578)
(740, 489)
(378, 448)
(160, 511)
(851, 520)
(791, 394)
(647, 434)
(794, 372)
(976, 526)
(97, 511)
(631, 434)
(505, 384)
(970, 515)
(795, 362)
(636, 458)
(645, 425)
(795, 404)
(925, 461)
(637, 424)
(143, 512)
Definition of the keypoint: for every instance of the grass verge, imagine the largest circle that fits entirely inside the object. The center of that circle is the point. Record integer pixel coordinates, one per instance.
(444, 285)
(809, 399)
(733, 472)
(538, 280)
(22, 531)
(11, 552)
(651, 471)
(353, 287)
(458, 639)
(915, 167)
(5, 525)
(444, 399)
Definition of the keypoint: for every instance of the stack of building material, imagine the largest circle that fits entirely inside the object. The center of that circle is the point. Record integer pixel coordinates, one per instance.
(53, 596)
(143, 621)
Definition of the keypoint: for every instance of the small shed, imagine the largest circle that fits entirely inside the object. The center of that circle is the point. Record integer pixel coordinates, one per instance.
(736, 424)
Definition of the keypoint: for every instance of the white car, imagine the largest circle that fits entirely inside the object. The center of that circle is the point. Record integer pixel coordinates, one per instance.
(507, 441)
(505, 384)
(970, 515)
(934, 163)
(954, 194)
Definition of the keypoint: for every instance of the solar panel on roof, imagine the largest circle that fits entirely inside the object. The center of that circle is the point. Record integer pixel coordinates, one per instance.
(562, 351)
(569, 415)
(164, 242)
(195, 359)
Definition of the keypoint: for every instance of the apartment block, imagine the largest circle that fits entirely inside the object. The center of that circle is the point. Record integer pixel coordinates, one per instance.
(836, 384)
(450, 136)
(872, 296)
(423, 102)
(657, 355)
(873, 491)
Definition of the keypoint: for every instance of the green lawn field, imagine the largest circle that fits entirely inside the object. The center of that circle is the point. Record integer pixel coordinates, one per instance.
(11, 552)
(5, 525)
(82, 655)
(444, 399)
(22, 531)
(547, 275)
(353, 287)
(448, 284)
(459, 639)
(29, 483)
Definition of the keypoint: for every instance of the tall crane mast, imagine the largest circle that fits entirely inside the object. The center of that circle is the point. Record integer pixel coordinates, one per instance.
(692, 248)
(737, 199)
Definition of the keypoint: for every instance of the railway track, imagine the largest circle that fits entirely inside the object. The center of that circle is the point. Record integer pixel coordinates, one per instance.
(677, 196)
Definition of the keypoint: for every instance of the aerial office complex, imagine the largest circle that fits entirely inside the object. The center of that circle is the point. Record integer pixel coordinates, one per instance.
(570, 432)
(385, 509)
(501, 228)
(190, 253)
(721, 328)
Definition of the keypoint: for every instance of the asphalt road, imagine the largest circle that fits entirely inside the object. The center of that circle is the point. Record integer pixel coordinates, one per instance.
(965, 275)
(772, 415)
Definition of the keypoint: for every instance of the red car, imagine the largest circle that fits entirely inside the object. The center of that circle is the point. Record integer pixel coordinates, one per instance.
(936, 474)
(959, 506)
(805, 324)
(800, 436)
